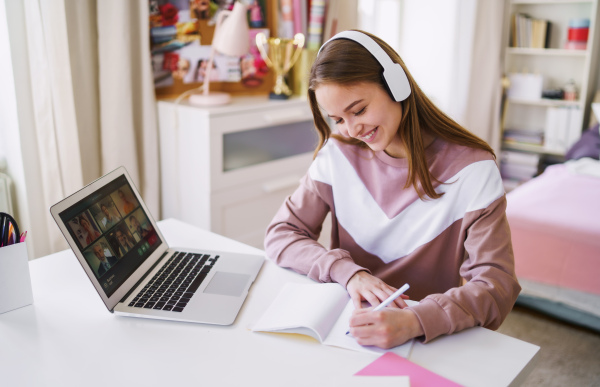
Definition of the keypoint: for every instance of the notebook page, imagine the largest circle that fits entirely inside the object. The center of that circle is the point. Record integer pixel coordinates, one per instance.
(304, 308)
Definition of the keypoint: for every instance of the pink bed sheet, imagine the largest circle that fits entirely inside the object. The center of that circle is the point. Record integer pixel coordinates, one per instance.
(555, 226)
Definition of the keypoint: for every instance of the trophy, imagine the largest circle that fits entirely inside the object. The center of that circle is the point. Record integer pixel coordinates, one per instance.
(281, 56)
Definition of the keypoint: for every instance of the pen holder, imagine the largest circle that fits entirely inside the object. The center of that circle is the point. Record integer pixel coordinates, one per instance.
(15, 282)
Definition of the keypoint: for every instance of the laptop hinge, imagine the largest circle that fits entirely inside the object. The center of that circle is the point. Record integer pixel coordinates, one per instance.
(143, 277)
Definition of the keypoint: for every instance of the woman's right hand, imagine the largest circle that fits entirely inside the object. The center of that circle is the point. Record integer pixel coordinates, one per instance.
(362, 286)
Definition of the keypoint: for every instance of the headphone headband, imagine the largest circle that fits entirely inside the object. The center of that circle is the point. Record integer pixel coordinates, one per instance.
(394, 76)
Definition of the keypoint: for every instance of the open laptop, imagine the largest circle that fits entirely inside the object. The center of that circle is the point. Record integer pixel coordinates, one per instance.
(135, 272)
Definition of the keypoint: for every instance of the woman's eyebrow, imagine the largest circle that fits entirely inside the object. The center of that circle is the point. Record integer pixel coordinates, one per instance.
(347, 107)
(352, 105)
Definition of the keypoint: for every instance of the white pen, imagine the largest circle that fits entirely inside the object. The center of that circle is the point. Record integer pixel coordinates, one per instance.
(390, 299)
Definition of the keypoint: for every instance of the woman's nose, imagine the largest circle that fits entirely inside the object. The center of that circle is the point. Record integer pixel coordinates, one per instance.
(354, 128)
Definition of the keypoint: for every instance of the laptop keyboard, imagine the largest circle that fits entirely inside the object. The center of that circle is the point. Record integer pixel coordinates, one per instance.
(175, 283)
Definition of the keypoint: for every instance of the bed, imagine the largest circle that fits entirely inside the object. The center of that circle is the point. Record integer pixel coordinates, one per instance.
(555, 226)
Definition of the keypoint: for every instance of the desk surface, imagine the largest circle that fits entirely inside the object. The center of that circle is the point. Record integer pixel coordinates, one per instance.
(68, 338)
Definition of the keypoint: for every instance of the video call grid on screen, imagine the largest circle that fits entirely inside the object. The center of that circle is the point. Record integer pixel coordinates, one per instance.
(112, 232)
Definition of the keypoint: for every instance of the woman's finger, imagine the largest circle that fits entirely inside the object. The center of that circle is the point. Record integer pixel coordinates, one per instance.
(371, 298)
(399, 302)
(361, 317)
(356, 299)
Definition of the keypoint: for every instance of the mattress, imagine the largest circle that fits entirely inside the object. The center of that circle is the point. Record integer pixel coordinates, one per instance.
(555, 227)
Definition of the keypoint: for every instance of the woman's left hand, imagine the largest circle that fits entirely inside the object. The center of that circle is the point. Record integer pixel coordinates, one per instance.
(364, 286)
(386, 328)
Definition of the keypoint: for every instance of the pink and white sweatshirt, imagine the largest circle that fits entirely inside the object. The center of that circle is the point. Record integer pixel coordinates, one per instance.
(383, 228)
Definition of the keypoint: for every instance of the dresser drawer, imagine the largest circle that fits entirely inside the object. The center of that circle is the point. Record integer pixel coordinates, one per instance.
(243, 213)
(263, 152)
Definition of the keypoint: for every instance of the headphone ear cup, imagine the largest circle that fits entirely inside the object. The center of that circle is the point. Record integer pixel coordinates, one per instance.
(396, 81)
(393, 74)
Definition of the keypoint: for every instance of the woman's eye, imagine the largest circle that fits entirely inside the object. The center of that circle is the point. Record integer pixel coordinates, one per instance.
(338, 121)
(361, 111)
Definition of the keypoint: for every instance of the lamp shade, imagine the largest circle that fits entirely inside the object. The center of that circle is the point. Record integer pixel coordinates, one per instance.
(231, 36)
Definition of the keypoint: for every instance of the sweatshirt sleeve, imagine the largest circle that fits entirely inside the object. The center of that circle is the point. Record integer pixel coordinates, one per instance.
(291, 238)
(492, 287)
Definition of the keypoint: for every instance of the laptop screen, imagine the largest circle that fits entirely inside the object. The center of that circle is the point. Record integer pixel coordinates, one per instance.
(112, 232)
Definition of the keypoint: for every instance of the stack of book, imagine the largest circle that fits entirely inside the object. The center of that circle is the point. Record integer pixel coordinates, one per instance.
(517, 167)
(523, 137)
(318, 20)
(529, 32)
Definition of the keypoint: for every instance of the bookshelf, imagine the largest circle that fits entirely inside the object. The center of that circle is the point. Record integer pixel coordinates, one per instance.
(544, 128)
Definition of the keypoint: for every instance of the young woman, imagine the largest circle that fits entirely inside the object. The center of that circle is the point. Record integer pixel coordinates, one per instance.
(414, 198)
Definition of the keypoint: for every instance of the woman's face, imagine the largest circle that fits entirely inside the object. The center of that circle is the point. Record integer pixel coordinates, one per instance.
(85, 224)
(364, 111)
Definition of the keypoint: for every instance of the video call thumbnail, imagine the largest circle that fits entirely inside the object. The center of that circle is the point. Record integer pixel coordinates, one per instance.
(110, 229)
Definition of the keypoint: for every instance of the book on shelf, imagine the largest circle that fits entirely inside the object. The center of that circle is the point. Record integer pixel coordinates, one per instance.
(518, 166)
(529, 32)
(523, 136)
(518, 172)
(293, 18)
(562, 128)
(321, 311)
(521, 158)
(300, 11)
(316, 19)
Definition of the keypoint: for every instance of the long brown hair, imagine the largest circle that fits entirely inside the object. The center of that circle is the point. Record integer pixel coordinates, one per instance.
(346, 62)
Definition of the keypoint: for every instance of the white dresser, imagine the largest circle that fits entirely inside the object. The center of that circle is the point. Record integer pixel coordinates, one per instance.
(228, 169)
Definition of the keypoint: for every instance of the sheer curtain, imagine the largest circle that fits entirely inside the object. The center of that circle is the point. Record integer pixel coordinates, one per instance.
(479, 68)
(453, 50)
(92, 100)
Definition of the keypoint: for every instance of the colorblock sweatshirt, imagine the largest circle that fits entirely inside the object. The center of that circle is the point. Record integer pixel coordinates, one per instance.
(382, 227)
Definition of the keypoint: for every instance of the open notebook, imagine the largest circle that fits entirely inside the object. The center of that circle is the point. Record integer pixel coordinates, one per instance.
(321, 311)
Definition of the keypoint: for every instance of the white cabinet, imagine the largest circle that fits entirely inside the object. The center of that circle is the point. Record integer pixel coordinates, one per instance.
(529, 123)
(228, 169)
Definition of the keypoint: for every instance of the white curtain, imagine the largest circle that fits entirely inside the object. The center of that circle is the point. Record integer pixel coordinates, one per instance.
(453, 48)
(479, 68)
(93, 100)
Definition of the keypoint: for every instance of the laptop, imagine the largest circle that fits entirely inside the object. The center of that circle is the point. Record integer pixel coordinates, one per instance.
(133, 269)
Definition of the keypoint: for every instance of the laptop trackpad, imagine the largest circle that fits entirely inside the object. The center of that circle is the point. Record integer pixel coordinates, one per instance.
(227, 284)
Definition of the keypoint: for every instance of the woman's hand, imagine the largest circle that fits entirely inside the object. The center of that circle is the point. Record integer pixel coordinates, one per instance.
(365, 287)
(386, 328)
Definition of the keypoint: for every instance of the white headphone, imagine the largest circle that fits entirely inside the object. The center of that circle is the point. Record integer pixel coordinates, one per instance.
(393, 75)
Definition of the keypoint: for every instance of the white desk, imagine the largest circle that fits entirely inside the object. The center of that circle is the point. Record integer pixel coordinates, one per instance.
(68, 338)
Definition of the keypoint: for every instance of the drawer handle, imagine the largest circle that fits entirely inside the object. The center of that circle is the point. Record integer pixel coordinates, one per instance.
(279, 184)
(285, 116)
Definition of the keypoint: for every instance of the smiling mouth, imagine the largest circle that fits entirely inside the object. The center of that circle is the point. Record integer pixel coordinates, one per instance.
(370, 135)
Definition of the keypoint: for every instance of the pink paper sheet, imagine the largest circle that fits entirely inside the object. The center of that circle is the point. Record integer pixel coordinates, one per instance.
(390, 364)
(555, 225)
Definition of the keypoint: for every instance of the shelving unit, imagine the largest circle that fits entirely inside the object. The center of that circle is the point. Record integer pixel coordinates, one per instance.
(558, 66)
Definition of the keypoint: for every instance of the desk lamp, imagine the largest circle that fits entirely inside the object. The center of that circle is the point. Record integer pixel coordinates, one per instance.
(230, 38)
